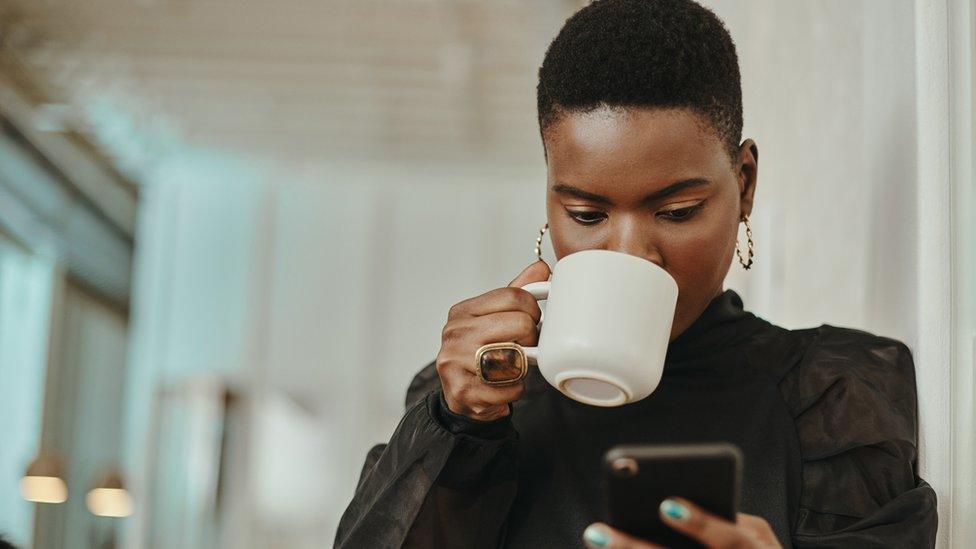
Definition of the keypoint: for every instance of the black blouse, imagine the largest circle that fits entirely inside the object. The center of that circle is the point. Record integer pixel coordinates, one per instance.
(825, 418)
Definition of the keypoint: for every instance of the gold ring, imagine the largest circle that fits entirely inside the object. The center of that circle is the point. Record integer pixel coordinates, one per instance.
(501, 363)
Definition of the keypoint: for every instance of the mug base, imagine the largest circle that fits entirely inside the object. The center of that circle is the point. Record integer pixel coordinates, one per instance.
(593, 390)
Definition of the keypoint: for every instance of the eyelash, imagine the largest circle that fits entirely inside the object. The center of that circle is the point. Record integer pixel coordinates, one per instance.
(688, 213)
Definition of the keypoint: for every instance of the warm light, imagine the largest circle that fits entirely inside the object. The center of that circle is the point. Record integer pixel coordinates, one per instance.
(43, 482)
(108, 497)
(43, 489)
(109, 502)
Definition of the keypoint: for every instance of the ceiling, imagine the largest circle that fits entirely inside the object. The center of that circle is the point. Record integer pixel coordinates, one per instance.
(429, 79)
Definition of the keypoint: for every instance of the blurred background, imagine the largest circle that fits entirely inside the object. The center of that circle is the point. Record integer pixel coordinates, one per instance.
(230, 232)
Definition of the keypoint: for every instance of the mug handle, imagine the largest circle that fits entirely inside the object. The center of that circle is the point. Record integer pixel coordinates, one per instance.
(540, 291)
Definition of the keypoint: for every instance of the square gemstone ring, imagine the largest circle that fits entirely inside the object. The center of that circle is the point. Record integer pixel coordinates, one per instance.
(501, 363)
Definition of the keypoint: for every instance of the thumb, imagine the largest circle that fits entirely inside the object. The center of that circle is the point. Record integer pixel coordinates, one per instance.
(599, 535)
(535, 272)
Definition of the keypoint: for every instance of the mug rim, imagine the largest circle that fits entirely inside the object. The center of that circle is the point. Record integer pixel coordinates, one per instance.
(614, 253)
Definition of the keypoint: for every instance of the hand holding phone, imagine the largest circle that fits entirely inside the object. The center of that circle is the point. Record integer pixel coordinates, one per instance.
(637, 478)
(747, 532)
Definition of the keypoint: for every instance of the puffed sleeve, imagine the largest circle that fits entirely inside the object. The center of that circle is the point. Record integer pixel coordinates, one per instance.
(853, 399)
(442, 480)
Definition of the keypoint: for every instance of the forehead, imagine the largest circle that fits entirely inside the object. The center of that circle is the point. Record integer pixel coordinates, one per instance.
(623, 147)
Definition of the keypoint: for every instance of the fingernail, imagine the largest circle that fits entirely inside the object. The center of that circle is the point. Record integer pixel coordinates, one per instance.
(673, 509)
(596, 536)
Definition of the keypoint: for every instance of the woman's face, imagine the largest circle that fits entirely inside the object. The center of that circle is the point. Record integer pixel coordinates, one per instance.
(653, 183)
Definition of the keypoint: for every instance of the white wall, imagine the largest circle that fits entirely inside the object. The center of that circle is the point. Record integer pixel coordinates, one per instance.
(828, 93)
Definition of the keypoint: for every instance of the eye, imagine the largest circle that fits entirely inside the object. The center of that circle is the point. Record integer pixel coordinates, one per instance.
(586, 217)
(681, 214)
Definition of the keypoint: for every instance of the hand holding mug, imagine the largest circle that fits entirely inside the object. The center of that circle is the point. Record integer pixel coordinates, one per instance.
(502, 314)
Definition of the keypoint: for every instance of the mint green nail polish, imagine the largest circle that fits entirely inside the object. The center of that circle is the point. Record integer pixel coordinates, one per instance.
(675, 510)
(596, 536)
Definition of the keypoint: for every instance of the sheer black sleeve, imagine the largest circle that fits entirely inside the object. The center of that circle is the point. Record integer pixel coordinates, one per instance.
(853, 399)
(442, 480)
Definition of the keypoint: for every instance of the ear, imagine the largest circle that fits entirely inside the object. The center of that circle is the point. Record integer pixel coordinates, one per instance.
(747, 172)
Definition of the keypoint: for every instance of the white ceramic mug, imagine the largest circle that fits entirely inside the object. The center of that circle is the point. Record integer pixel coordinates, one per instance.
(605, 329)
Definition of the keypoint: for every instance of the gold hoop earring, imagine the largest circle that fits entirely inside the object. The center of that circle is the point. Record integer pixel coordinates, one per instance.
(746, 263)
(538, 241)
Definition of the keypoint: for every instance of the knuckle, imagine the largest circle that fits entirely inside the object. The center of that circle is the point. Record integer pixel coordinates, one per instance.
(458, 309)
(501, 298)
(526, 325)
(441, 362)
(526, 302)
(447, 369)
(453, 331)
(515, 297)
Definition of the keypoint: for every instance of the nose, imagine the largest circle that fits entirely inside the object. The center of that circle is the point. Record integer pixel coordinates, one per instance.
(631, 238)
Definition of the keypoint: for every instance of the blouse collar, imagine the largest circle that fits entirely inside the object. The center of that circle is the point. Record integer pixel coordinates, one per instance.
(723, 323)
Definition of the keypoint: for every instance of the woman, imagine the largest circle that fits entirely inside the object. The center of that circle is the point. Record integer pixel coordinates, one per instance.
(640, 113)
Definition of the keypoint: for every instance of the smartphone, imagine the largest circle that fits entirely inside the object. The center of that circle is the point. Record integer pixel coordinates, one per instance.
(638, 477)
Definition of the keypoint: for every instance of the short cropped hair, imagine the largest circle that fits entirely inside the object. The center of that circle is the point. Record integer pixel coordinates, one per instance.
(644, 53)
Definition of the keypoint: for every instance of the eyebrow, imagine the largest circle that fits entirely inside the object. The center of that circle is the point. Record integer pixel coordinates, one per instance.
(563, 188)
